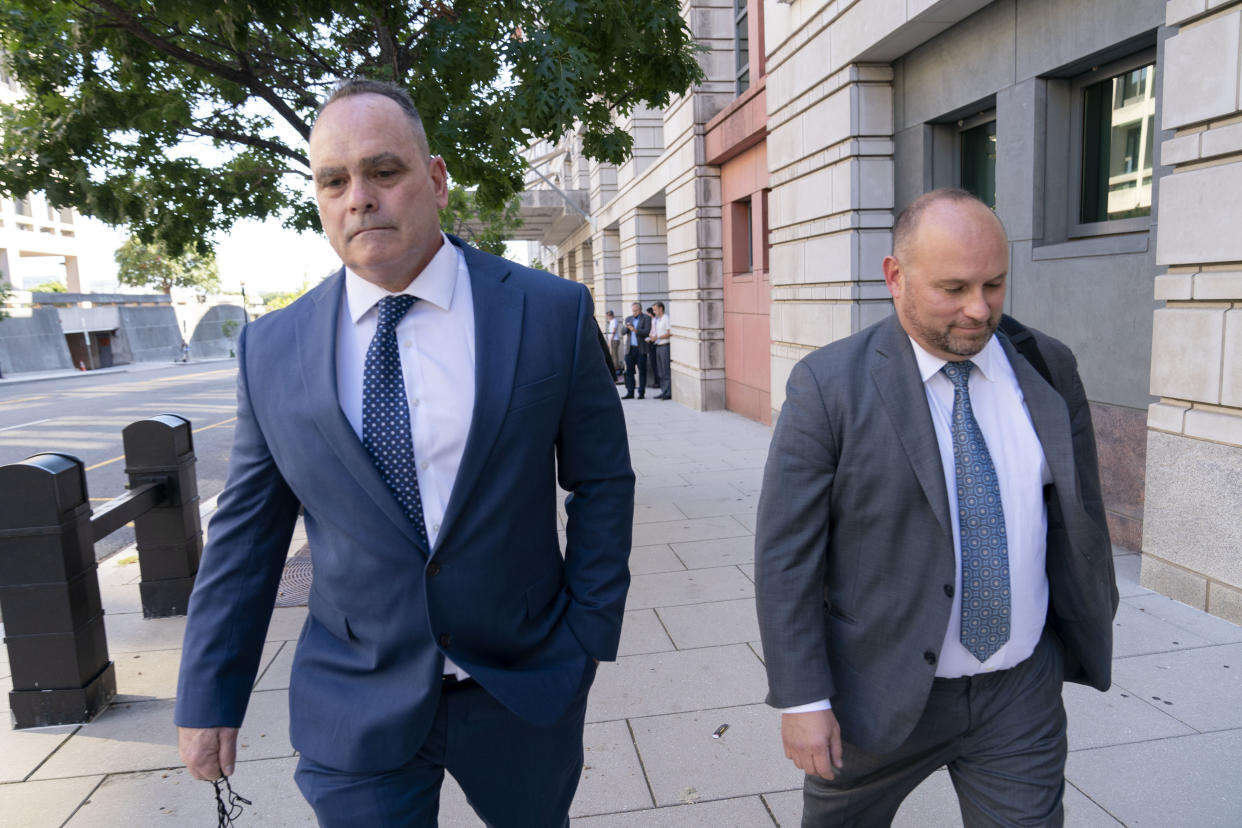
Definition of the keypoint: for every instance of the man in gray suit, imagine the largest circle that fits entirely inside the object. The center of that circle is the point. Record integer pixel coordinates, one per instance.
(931, 557)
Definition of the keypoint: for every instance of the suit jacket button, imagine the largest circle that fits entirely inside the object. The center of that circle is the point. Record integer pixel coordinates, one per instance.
(948, 590)
(928, 656)
(433, 569)
(445, 640)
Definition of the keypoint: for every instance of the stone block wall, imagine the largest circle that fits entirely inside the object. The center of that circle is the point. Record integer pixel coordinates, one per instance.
(1192, 527)
(33, 342)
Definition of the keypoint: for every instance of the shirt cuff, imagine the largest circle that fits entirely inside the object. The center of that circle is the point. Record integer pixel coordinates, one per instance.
(809, 707)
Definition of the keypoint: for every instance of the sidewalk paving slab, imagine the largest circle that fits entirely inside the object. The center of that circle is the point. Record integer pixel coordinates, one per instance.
(683, 760)
(742, 812)
(711, 624)
(1183, 782)
(645, 560)
(642, 632)
(676, 682)
(718, 552)
(1199, 687)
(665, 589)
(45, 803)
(160, 799)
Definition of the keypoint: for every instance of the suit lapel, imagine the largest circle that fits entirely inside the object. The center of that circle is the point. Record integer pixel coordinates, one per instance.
(1050, 418)
(498, 309)
(896, 376)
(316, 344)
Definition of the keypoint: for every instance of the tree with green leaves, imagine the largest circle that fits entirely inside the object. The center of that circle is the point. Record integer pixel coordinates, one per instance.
(121, 93)
(275, 300)
(51, 286)
(155, 266)
(486, 227)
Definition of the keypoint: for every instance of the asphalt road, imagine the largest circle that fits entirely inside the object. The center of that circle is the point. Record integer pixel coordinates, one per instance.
(84, 414)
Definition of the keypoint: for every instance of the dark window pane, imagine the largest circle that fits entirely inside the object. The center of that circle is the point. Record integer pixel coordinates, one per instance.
(742, 42)
(979, 162)
(1117, 138)
(741, 45)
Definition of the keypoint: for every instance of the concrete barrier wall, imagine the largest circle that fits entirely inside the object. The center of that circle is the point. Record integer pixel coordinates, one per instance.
(210, 339)
(147, 334)
(33, 343)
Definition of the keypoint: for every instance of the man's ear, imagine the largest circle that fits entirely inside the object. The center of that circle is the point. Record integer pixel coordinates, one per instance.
(893, 276)
(439, 180)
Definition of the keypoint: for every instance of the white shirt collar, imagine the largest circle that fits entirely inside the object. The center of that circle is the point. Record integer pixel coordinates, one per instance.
(985, 361)
(434, 284)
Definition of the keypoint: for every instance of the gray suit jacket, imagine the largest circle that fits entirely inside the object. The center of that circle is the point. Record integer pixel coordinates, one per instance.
(854, 561)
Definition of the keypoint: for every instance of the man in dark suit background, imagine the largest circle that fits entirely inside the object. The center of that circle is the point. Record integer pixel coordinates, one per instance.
(446, 630)
(931, 554)
(637, 329)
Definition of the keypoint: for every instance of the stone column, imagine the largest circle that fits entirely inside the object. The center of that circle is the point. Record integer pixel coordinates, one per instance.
(830, 164)
(606, 255)
(644, 255)
(1192, 522)
(73, 280)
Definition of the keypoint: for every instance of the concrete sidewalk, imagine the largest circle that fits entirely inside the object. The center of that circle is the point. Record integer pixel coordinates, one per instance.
(1162, 748)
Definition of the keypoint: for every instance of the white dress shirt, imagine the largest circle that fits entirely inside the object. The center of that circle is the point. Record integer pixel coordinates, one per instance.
(1022, 472)
(436, 341)
(661, 329)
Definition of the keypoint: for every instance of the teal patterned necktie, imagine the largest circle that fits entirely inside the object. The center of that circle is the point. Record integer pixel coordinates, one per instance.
(981, 524)
(386, 414)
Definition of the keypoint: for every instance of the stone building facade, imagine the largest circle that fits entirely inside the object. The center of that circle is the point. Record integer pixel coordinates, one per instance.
(1106, 133)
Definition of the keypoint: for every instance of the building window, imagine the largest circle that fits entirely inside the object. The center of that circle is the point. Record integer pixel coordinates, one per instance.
(21, 206)
(742, 237)
(1115, 122)
(741, 44)
(977, 156)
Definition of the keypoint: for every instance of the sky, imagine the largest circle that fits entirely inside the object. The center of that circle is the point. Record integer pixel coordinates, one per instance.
(265, 256)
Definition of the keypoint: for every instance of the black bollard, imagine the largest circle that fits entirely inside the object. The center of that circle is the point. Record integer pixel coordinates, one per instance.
(169, 535)
(49, 594)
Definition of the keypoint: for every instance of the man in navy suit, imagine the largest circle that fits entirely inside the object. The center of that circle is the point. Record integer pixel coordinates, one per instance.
(446, 629)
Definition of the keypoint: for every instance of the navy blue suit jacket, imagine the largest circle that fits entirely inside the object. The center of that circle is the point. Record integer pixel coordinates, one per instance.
(495, 594)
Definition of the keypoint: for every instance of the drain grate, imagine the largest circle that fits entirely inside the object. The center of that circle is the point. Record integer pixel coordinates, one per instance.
(295, 582)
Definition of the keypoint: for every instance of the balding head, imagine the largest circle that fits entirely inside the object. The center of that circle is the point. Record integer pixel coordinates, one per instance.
(947, 272)
(908, 220)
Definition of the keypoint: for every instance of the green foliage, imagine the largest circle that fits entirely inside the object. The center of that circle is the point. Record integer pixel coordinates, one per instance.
(276, 300)
(119, 92)
(153, 265)
(537, 264)
(229, 327)
(50, 287)
(485, 227)
(6, 290)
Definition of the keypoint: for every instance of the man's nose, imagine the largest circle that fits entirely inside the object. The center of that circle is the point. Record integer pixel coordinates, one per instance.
(361, 198)
(976, 306)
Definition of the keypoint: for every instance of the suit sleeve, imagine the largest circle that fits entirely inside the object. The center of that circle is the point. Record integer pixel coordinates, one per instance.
(593, 465)
(791, 546)
(235, 589)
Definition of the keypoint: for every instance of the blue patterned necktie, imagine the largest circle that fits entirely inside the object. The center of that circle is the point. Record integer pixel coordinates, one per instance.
(981, 524)
(386, 414)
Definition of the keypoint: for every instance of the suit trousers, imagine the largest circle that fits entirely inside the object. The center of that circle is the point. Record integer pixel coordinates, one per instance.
(1002, 736)
(515, 774)
(635, 358)
(664, 363)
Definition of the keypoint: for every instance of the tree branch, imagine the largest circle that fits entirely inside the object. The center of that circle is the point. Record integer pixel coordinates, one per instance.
(249, 141)
(246, 80)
